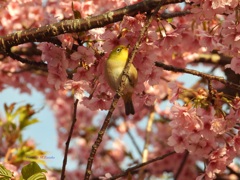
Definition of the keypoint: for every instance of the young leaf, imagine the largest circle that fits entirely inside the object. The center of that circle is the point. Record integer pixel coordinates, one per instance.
(38, 176)
(27, 122)
(31, 169)
(5, 174)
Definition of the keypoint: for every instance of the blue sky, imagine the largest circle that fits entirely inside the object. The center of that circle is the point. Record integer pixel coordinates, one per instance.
(44, 132)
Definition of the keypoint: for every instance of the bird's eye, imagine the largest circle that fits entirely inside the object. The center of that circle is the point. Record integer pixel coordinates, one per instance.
(118, 50)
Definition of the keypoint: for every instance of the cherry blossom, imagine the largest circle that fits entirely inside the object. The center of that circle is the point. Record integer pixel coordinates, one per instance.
(200, 121)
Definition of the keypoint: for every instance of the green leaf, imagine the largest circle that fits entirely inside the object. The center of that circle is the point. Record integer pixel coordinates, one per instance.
(5, 174)
(31, 169)
(9, 111)
(25, 112)
(27, 122)
(9, 127)
(38, 176)
(21, 111)
(5, 178)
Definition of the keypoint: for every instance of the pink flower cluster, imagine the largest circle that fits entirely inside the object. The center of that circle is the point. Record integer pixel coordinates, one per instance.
(206, 133)
(76, 70)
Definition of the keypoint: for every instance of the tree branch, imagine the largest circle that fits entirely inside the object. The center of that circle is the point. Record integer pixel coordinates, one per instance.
(174, 14)
(74, 119)
(26, 61)
(133, 141)
(77, 25)
(118, 92)
(27, 51)
(197, 73)
(125, 173)
(186, 154)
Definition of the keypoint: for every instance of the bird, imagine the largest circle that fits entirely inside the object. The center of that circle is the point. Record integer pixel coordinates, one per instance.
(114, 67)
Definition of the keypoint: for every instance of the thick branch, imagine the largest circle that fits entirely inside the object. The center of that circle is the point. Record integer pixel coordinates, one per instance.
(78, 25)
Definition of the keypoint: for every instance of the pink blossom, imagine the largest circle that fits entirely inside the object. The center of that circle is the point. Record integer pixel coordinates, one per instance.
(207, 40)
(177, 141)
(67, 41)
(222, 3)
(235, 65)
(175, 91)
(57, 63)
(236, 142)
(77, 87)
(171, 39)
(83, 54)
(186, 118)
(208, 131)
(14, 9)
(219, 125)
(111, 41)
(218, 162)
(96, 103)
(106, 177)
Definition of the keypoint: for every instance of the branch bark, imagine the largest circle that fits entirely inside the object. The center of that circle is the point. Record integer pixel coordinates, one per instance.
(42, 34)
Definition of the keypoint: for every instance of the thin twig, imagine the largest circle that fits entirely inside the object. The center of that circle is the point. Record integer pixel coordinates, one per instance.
(129, 170)
(74, 119)
(210, 90)
(147, 139)
(26, 61)
(118, 92)
(183, 162)
(133, 141)
(197, 73)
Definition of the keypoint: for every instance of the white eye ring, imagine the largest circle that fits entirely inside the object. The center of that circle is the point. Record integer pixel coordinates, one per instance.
(118, 49)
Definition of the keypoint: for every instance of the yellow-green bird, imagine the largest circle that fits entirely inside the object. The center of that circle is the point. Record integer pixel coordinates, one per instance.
(113, 70)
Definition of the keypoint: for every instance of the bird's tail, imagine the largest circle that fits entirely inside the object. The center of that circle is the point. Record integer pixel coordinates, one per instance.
(129, 108)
